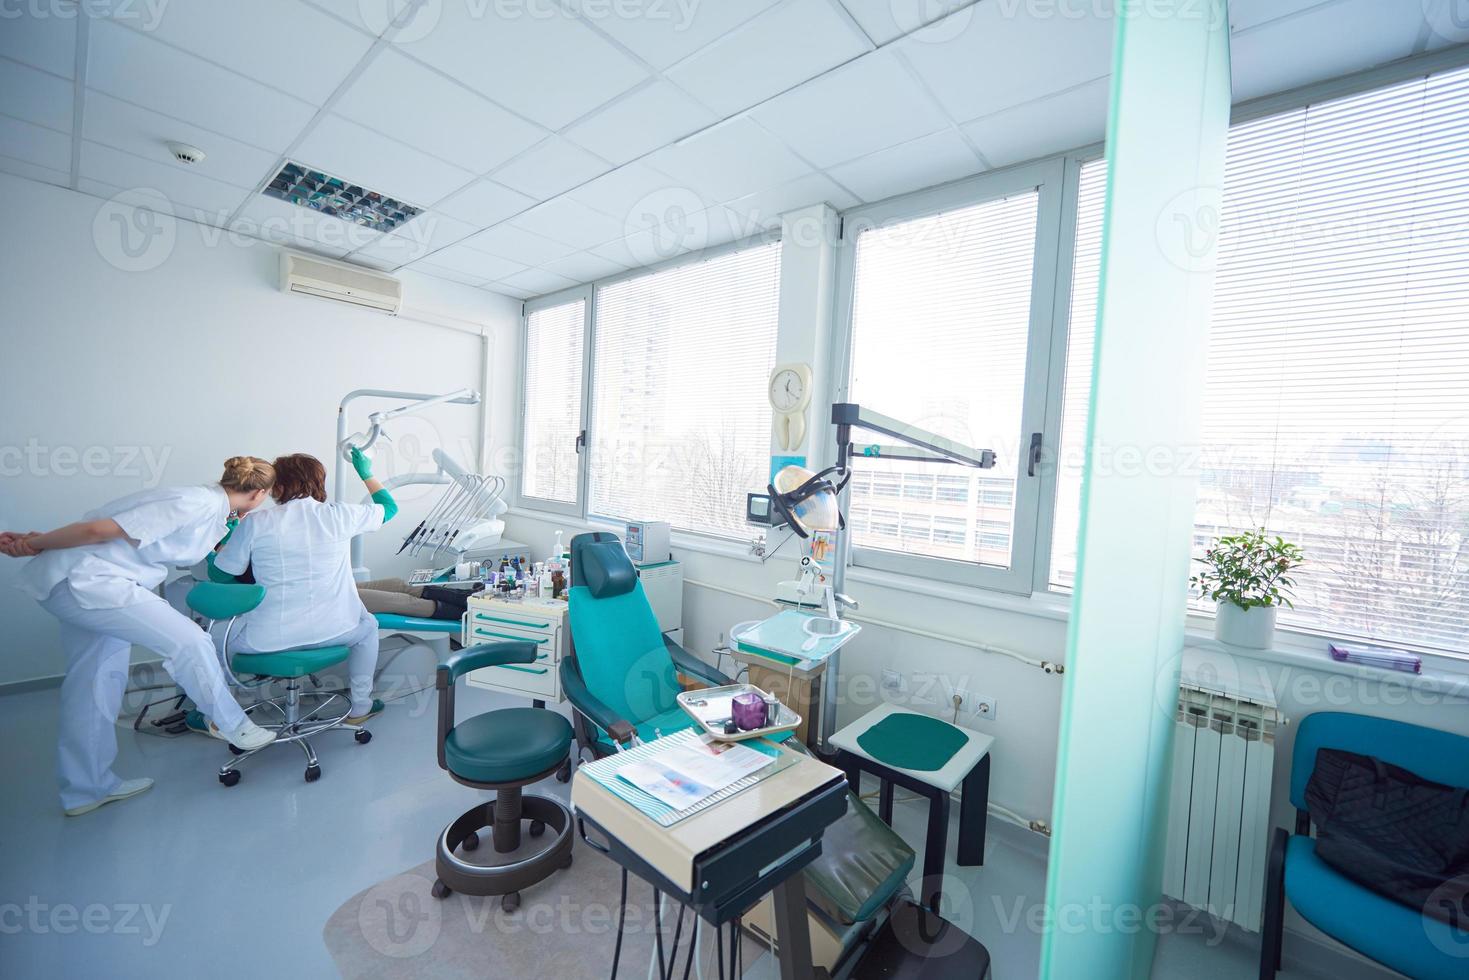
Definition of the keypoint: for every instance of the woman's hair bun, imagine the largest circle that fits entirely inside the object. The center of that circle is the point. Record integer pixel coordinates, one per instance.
(247, 474)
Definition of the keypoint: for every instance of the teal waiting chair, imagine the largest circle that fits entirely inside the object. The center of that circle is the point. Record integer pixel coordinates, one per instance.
(503, 750)
(621, 678)
(219, 602)
(1374, 925)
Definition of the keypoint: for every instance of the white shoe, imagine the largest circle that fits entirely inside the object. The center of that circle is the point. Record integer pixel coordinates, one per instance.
(128, 787)
(247, 738)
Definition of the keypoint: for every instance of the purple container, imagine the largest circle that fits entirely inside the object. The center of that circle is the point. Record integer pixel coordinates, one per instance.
(748, 710)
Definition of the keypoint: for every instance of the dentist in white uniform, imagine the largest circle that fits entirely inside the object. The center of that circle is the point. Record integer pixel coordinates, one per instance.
(97, 578)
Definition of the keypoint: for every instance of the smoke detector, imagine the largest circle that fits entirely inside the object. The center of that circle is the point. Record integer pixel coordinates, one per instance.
(184, 153)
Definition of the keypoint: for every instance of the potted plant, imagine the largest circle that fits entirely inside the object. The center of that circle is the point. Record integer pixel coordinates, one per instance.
(1249, 576)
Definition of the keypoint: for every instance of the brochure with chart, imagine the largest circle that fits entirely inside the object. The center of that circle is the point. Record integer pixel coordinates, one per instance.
(689, 772)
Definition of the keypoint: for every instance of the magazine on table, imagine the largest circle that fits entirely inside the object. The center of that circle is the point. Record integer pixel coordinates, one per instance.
(691, 771)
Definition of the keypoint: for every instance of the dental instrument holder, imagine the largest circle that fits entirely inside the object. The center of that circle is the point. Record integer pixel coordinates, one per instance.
(915, 445)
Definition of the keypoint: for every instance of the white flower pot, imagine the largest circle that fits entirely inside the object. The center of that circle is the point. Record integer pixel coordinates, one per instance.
(1240, 627)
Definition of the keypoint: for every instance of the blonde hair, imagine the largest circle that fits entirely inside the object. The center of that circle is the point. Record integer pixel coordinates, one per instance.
(245, 474)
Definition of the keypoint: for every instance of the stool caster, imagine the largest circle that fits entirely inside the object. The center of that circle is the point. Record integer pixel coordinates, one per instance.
(537, 828)
(440, 890)
(234, 750)
(470, 843)
(313, 773)
(230, 777)
(510, 901)
(567, 863)
(563, 775)
(363, 737)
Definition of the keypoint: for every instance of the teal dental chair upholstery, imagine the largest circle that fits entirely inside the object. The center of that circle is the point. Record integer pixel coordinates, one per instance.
(219, 602)
(1374, 925)
(621, 680)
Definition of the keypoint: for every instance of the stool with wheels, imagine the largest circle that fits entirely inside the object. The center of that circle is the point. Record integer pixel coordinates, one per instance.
(503, 750)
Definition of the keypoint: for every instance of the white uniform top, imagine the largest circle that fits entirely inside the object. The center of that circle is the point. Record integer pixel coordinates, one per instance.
(301, 552)
(171, 525)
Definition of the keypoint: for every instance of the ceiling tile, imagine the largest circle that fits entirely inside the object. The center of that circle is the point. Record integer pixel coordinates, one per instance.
(541, 63)
(554, 166)
(992, 56)
(664, 240)
(39, 146)
(345, 149)
(764, 208)
(571, 222)
(884, 20)
(662, 32)
(782, 47)
(1036, 129)
(187, 192)
(135, 68)
(925, 162)
(141, 132)
(470, 262)
(370, 18)
(30, 171)
(728, 161)
(538, 282)
(1325, 42)
(35, 96)
(584, 267)
(868, 105)
(519, 245)
(630, 191)
(1245, 14)
(426, 233)
(280, 221)
(283, 43)
(640, 121)
(422, 108)
(439, 272)
(511, 291)
(485, 203)
(42, 42)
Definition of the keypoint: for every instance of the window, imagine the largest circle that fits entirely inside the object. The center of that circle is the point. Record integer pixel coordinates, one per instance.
(680, 417)
(940, 338)
(1337, 405)
(551, 410)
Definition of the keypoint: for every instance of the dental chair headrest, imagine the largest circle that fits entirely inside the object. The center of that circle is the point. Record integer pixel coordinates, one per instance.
(599, 562)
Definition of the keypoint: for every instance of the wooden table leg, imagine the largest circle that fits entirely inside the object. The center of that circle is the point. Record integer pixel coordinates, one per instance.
(974, 803)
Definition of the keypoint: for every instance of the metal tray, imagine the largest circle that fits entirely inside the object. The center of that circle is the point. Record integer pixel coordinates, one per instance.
(710, 708)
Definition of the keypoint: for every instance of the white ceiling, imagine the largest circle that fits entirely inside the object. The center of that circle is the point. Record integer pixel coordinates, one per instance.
(547, 138)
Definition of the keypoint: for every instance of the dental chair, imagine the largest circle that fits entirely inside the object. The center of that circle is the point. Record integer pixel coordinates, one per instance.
(219, 602)
(621, 679)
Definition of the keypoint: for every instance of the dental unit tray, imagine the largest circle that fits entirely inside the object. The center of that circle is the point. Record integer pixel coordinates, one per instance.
(713, 706)
(795, 637)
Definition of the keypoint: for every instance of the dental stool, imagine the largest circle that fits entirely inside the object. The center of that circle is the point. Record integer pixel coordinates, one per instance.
(503, 750)
(218, 602)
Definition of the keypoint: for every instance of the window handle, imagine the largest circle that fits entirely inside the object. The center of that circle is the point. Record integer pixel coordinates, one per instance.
(1035, 453)
(581, 441)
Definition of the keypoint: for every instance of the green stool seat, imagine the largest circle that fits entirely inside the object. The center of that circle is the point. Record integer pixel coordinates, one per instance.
(288, 663)
(508, 745)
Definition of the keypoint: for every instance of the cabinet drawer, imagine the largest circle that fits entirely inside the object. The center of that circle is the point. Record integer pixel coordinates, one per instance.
(515, 620)
(493, 632)
(537, 680)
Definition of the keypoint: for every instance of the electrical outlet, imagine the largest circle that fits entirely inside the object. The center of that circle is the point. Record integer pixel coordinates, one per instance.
(981, 706)
(893, 681)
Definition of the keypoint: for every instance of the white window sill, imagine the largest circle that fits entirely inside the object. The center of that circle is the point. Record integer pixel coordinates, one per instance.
(1045, 605)
(1210, 663)
(679, 540)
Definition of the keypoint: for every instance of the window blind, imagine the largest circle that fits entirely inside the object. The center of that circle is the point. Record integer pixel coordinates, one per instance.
(1337, 405)
(553, 393)
(940, 321)
(680, 416)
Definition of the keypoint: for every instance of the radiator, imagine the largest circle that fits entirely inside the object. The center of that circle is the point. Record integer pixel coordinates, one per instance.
(1219, 809)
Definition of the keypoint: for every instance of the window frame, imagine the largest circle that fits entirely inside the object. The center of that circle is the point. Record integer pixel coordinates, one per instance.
(1046, 177)
(586, 294)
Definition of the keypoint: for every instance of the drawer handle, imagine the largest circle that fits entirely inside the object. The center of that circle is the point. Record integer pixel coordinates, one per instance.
(512, 622)
(481, 631)
(526, 670)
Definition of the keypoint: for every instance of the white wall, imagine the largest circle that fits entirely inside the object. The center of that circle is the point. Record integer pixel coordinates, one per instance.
(116, 380)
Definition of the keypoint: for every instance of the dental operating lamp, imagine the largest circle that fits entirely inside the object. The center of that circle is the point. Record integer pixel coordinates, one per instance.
(813, 502)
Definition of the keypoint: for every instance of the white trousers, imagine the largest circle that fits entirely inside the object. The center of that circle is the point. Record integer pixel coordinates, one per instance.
(361, 664)
(97, 643)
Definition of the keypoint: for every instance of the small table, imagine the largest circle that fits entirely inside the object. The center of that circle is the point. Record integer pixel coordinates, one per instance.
(969, 766)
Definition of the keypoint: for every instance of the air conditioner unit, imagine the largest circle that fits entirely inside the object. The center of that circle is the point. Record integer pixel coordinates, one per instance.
(339, 281)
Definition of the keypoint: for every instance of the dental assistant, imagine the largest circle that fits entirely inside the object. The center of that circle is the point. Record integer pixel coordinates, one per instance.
(301, 552)
(97, 578)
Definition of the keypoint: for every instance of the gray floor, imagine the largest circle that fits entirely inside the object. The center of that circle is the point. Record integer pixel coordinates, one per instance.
(192, 877)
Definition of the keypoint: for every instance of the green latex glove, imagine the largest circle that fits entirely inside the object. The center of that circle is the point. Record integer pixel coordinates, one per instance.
(216, 574)
(390, 506)
(229, 528)
(361, 464)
